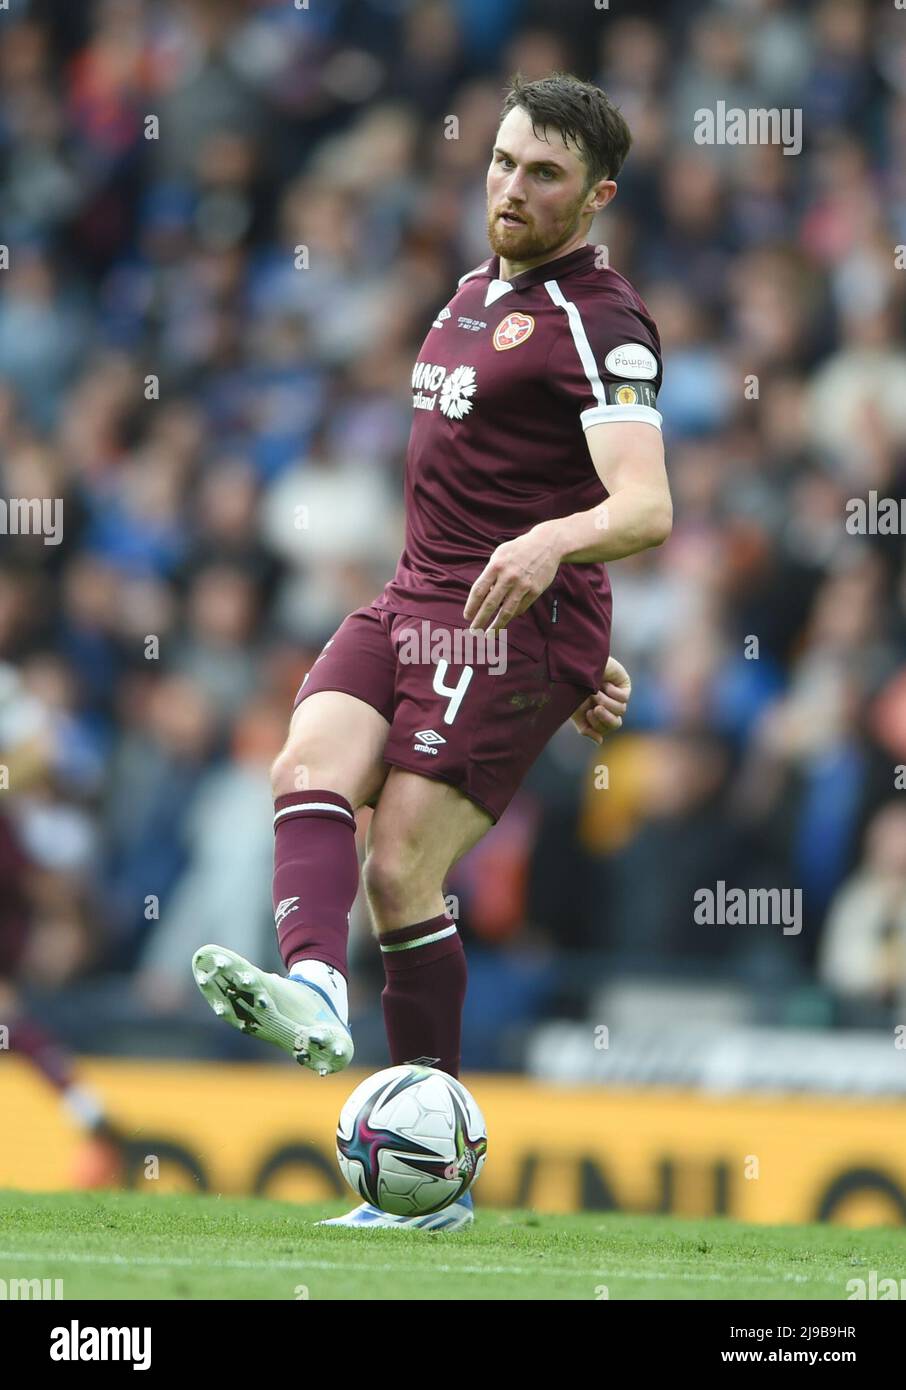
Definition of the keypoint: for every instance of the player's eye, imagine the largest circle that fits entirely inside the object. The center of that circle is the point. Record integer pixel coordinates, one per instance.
(546, 174)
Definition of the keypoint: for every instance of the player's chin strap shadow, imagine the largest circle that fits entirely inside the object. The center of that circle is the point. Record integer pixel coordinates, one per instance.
(422, 1062)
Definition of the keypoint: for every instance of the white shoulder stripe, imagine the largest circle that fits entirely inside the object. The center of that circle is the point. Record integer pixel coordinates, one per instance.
(583, 347)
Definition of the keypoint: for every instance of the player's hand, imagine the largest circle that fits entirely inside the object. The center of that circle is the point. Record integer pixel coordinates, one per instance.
(603, 712)
(517, 573)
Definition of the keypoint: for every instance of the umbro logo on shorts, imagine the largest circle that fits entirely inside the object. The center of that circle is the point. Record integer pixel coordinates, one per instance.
(424, 741)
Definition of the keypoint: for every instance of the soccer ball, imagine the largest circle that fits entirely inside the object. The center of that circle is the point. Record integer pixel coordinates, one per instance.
(411, 1140)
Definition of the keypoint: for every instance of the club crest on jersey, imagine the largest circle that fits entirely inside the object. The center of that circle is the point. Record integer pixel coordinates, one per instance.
(513, 330)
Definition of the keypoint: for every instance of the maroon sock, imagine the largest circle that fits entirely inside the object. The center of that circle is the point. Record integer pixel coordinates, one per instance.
(316, 876)
(425, 992)
(52, 1060)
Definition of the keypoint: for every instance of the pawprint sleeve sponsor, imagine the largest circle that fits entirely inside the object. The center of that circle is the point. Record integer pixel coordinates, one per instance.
(606, 359)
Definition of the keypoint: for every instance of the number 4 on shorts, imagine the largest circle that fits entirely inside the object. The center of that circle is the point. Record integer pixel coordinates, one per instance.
(455, 692)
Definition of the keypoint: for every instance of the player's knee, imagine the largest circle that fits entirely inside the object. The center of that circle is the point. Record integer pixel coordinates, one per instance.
(305, 764)
(283, 770)
(383, 879)
(391, 876)
(298, 768)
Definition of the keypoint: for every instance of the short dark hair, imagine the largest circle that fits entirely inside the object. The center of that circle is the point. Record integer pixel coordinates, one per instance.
(581, 112)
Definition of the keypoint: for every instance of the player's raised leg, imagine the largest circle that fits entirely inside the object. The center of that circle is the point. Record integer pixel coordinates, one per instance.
(330, 765)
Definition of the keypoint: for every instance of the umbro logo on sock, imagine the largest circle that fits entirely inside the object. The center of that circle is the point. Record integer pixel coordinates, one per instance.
(283, 909)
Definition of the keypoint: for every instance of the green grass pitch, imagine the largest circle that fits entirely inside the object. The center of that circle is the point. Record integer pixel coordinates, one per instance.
(112, 1245)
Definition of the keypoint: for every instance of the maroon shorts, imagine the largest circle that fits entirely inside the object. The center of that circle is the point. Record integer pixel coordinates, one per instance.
(473, 716)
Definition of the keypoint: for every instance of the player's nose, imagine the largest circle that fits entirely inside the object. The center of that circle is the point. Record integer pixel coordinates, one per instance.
(512, 190)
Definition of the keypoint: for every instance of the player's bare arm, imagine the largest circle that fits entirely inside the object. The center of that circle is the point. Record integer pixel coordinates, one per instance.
(637, 514)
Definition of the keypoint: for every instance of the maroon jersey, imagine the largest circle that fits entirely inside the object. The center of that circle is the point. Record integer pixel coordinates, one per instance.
(509, 377)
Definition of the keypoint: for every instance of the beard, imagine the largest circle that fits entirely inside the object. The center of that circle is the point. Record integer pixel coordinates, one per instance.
(525, 242)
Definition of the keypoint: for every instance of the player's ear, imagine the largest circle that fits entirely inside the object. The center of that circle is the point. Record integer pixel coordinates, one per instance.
(601, 194)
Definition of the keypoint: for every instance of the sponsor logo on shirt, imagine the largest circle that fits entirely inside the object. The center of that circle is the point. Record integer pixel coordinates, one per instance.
(632, 360)
(512, 331)
(442, 316)
(451, 392)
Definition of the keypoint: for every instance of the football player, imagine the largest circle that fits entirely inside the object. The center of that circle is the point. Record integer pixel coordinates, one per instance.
(535, 458)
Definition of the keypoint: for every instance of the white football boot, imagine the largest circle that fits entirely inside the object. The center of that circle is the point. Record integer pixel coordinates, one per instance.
(451, 1218)
(294, 1014)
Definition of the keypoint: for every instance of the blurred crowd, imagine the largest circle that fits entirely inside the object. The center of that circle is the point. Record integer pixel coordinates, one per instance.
(230, 225)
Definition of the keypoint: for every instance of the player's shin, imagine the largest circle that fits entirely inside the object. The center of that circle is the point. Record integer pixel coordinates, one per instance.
(425, 969)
